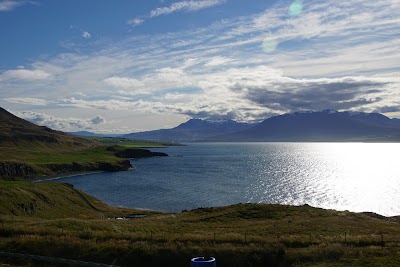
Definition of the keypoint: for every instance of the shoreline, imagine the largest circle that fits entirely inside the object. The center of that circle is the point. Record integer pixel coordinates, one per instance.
(60, 176)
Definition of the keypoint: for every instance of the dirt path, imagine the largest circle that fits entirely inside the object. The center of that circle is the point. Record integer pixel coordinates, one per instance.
(99, 213)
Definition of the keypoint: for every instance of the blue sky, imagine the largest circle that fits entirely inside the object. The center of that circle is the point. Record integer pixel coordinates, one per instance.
(127, 66)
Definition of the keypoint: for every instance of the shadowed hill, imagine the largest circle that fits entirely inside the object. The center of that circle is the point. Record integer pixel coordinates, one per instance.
(28, 151)
(17, 132)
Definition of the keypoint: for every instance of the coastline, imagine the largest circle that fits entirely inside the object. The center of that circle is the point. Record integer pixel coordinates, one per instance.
(60, 176)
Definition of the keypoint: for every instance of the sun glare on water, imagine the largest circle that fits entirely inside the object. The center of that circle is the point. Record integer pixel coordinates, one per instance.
(365, 174)
(342, 176)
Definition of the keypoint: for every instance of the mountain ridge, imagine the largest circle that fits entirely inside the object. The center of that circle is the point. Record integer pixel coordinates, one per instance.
(17, 132)
(319, 126)
(192, 130)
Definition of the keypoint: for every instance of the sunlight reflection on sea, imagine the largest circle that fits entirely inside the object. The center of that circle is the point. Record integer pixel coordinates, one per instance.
(343, 176)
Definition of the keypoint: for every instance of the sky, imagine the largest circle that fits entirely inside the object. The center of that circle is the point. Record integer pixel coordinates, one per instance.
(126, 66)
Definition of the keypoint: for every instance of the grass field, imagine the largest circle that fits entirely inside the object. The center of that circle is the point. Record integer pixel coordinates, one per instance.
(129, 143)
(41, 155)
(50, 159)
(238, 235)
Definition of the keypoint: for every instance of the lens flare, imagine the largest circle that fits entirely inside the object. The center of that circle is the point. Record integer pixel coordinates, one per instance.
(296, 8)
(269, 44)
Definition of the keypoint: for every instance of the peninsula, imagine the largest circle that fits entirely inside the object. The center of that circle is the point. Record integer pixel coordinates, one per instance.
(29, 151)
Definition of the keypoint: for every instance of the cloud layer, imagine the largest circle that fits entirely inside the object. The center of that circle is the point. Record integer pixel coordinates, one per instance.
(333, 54)
(23, 74)
(64, 124)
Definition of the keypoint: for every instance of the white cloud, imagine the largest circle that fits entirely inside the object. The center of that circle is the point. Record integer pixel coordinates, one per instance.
(249, 93)
(135, 22)
(189, 6)
(183, 6)
(57, 123)
(9, 5)
(159, 80)
(217, 61)
(27, 101)
(124, 83)
(23, 74)
(335, 53)
(86, 35)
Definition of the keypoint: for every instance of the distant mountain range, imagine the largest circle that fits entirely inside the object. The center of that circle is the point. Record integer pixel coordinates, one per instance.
(192, 130)
(320, 126)
(87, 133)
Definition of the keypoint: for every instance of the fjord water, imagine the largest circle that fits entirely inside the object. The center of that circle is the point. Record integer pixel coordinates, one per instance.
(343, 176)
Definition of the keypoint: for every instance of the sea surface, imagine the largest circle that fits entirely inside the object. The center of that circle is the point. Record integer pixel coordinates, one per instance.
(343, 176)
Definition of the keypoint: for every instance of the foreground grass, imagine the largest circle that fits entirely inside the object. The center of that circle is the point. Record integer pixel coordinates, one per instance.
(239, 235)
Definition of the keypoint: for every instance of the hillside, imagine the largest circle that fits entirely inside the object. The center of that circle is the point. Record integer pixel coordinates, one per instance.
(28, 151)
(238, 235)
(16, 132)
(323, 126)
(52, 201)
(192, 130)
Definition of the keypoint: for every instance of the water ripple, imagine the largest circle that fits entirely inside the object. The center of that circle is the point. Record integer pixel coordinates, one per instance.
(344, 176)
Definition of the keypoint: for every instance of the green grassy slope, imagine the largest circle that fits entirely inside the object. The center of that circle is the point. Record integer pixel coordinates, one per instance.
(28, 151)
(51, 201)
(239, 235)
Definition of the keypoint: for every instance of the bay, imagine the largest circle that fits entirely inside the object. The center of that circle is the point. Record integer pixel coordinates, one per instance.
(343, 176)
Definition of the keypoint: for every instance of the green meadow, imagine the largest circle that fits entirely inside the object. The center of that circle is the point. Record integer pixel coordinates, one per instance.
(43, 159)
(54, 219)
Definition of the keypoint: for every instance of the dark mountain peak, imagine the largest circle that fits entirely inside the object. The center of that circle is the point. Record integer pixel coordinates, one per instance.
(208, 123)
(193, 130)
(9, 118)
(325, 125)
(329, 111)
(192, 122)
(334, 113)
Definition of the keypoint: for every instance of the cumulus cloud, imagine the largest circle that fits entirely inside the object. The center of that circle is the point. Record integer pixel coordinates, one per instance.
(271, 89)
(243, 93)
(98, 120)
(135, 22)
(63, 124)
(23, 74)
(86, 35)
(159, 80)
